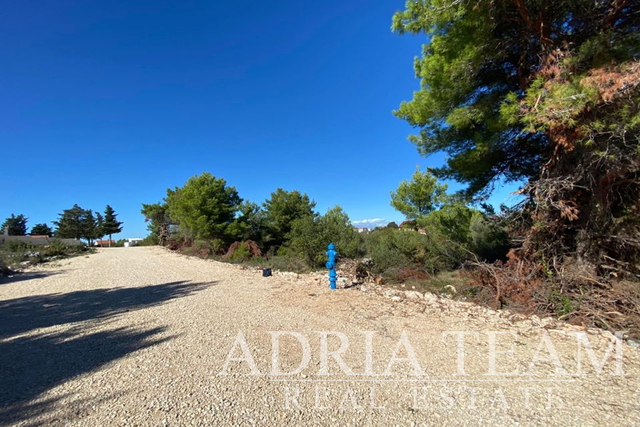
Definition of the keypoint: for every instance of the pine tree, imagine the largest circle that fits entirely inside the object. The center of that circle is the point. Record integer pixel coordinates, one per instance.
(99, 228)
(72, 223)
(110, 225)
(90, 227)
(546, 92)
(41, 230)
(205, 208)
(16, 225)
(281, 210)
(418, 197)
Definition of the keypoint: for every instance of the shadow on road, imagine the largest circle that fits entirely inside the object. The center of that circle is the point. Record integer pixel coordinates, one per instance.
(21, 315)
(33, 364)
(27, 275)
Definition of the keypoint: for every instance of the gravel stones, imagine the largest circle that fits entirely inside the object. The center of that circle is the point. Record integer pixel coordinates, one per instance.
(139, 336)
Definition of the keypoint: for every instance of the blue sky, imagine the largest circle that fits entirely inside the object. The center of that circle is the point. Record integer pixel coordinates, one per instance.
(113, 102)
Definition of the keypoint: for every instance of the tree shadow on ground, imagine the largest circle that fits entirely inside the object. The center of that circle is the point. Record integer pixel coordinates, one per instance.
(33, 364)
(21, 315)
(20, 276)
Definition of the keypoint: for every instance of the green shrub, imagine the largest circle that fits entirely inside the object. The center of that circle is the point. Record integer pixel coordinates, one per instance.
(384, 252)
(18, 246)
(394, 251)
(203, 246)
(56, 248)
(465, 232)
(489, 241)
(150, 240)
(402, 254)
(218, 246)
(310, 236)
(281, 263)
(242, 253)
(452, 221)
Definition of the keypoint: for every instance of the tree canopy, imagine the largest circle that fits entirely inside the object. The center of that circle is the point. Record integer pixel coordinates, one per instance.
(16, 225)
(281, 210)
(41, 230)
(540, 91)
(77, 223)
(205, 207)
(311, 234)
(110, 224)
(158, 218)
(418, 197)
(504, 83)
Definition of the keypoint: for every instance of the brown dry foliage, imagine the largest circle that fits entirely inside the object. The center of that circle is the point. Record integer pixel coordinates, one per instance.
(409, 274)
(254, 249)
(571, 291)
(511, 283)
(614, 82)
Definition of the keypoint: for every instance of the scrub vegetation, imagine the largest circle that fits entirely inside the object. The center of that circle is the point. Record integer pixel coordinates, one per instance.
(546, 94)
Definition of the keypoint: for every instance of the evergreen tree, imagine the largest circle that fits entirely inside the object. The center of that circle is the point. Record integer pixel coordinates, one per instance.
(110, 225)
(310, 235)
(99, 228)
(205, 208)
(16, 225)
(75, 223)
(418, 197)
(41, 230)
(92, 226)
(546, 92)
(159, 221)
(281, 210)
(249, 224)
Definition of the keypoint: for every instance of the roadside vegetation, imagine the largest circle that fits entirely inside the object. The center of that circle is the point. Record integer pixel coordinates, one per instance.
(546, 94)
(74, 223)
(16, 255)
(207, 218)
(43, 243)
(549, 98)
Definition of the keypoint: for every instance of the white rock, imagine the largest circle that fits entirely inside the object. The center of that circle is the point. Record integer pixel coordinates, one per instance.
(413, 295)
(429, 297)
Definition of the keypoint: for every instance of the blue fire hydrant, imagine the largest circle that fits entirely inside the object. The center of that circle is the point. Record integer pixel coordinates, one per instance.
(331, 264)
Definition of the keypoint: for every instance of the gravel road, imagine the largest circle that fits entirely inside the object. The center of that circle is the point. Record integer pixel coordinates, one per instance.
(146, 337)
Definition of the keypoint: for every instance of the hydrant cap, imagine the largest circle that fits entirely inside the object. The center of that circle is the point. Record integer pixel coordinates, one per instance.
(331, 246)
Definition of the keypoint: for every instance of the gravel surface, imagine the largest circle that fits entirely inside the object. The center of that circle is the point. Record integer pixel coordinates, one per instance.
(143, 337)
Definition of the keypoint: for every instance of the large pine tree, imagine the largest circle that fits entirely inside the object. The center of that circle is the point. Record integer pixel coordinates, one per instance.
(205, 208)
(545, 92)
(75, 223)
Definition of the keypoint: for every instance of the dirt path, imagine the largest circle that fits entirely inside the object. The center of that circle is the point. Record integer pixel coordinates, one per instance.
(141, 336)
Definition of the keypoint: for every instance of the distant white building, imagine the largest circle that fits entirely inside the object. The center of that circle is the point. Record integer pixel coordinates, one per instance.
(362, 229)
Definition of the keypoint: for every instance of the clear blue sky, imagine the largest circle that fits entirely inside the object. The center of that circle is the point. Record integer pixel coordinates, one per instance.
(112, 102)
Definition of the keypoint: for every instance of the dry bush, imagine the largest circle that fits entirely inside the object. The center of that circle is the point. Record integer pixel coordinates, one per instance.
(511, 283)
(408, 274)
(243, 250)
(571, 291)
(176, 244)
(581, 297)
